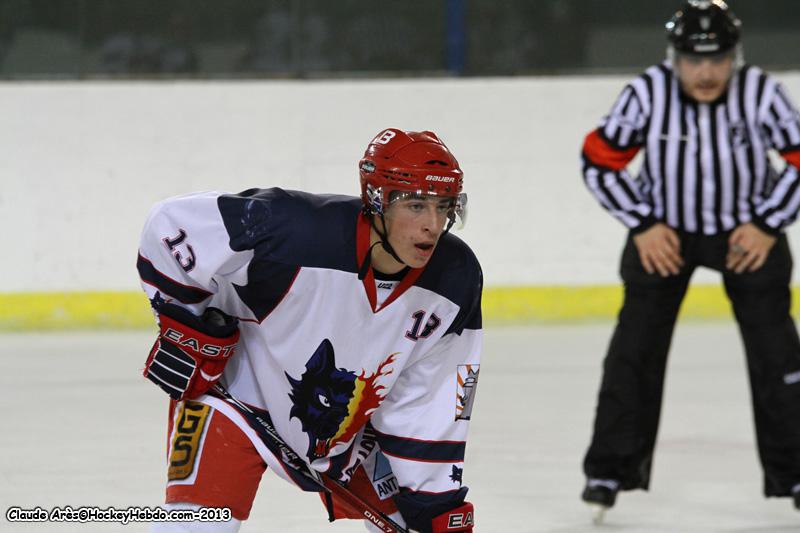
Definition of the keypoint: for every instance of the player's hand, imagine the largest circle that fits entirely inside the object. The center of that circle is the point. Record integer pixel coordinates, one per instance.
(748, 248)
(659, 250)
(191, 351)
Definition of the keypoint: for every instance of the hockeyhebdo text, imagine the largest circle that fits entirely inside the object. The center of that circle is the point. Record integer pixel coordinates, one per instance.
(121, 516)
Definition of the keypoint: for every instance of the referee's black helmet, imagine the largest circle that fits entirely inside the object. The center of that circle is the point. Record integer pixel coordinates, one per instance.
(703, 27)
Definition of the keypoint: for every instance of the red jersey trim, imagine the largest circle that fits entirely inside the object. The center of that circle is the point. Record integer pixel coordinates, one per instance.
(362, 248)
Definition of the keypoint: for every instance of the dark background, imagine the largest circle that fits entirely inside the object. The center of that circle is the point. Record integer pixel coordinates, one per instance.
(75, 39)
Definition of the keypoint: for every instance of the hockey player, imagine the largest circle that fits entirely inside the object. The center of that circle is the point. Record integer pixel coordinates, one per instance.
(706, 196)
(353, 325)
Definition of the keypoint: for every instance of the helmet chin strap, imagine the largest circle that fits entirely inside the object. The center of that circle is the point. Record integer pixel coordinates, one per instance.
(384, 235)
(385, 240)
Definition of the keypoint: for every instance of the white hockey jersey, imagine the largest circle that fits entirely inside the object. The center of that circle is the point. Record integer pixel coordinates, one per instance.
(321, 350)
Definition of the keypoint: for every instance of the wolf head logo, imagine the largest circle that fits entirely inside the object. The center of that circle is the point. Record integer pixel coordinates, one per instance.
(331, 403)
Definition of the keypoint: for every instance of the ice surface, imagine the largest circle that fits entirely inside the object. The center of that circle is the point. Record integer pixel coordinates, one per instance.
(87, 430)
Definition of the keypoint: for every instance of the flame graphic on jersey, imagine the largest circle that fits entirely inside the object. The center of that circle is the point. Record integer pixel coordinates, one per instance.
(367, 397)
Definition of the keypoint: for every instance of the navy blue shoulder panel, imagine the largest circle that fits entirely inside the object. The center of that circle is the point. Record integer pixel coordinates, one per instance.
(287, 230)
(454, 272)
(293, 227)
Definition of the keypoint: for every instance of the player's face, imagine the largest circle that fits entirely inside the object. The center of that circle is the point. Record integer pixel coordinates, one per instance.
(414, 226)
(704, 78)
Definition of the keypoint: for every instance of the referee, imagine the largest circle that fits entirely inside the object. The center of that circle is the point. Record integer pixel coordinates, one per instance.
(706, 195)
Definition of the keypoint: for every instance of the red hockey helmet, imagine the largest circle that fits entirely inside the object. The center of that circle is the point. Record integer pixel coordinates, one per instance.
(416, 163)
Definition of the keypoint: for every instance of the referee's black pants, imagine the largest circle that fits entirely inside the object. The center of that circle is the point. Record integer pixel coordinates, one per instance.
(629, 402)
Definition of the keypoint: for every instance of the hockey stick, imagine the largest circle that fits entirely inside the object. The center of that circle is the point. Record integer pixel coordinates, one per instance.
(326, 484)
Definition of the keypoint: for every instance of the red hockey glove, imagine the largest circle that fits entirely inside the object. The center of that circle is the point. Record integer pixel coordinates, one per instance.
(191, 351)
(461, 519)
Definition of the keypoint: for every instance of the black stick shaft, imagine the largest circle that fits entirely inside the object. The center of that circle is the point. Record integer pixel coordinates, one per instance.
(324, 482)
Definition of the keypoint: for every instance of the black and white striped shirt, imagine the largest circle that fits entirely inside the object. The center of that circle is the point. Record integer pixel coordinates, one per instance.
(706, 168)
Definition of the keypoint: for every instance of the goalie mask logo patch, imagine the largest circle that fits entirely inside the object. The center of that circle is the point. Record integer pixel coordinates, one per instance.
(466, 386)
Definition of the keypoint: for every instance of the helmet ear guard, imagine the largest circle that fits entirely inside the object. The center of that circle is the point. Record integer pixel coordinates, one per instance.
(374, 203)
